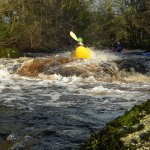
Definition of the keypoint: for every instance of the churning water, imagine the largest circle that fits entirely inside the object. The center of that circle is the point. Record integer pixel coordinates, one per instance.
(56, 112)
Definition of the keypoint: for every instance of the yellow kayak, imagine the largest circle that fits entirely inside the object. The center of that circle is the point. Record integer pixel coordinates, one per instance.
(82, 52)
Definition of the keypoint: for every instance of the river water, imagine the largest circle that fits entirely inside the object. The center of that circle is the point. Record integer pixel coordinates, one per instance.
(61, 113)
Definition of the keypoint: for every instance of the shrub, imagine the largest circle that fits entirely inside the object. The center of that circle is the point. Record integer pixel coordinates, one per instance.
(9, 53)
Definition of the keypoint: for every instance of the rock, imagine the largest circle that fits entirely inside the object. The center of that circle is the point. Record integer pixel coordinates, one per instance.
(139, 126)
(17, 146)
(68, 71)
(14, 68)
(145, 136)
(117, 134)
(134, 141)
(31, 68)
(61, 65)
(12, 137)
(27, 138)
(135, 65)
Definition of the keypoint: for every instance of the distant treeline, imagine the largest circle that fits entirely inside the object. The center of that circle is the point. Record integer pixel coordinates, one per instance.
(45, 24)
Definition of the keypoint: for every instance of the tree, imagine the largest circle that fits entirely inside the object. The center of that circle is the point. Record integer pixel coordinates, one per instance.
(136, 15)
(45, 24)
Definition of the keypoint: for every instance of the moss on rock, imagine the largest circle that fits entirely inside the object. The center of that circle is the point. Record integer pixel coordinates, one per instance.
(111, 136)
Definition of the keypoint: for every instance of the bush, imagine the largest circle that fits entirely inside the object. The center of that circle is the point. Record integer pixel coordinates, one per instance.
(9, 53)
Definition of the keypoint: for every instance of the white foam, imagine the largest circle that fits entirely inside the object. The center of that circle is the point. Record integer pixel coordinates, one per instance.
(16, 88)
(99, 88)
(100, 55)
(4, 74)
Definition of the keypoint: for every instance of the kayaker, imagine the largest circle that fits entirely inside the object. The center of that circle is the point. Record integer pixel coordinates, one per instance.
(117, 47)
(81, 51)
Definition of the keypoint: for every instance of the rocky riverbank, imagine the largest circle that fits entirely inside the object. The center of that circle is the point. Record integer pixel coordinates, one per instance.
(130, 131)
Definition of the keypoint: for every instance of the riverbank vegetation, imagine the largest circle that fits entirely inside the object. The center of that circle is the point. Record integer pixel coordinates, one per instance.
(38, 25)
(130, 131)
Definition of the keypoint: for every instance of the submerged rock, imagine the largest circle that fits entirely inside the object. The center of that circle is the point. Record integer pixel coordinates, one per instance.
(127, 69)
(138, 65)
(66, 67)
(33, 67)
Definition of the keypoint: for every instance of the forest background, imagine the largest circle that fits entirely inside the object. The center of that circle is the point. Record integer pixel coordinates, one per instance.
(44, 25)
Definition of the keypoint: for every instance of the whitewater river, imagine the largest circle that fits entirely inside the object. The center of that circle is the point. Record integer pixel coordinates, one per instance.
(61, 113)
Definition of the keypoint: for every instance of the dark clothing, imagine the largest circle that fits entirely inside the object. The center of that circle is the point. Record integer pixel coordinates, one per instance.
(117, 47)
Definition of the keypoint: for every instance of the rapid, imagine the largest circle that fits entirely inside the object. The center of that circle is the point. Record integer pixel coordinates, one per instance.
(58, 110)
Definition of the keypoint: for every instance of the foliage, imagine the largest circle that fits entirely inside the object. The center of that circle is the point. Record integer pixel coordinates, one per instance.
(46, 24)
(9, 53)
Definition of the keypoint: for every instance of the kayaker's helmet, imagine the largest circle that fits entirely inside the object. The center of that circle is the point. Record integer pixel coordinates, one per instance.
(80, 41)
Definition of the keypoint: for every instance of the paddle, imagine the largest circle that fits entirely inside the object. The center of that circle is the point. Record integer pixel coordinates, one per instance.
(73, 36)
(78, 39)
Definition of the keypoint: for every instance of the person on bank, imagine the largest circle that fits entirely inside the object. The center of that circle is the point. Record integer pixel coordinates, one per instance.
(117, 47)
